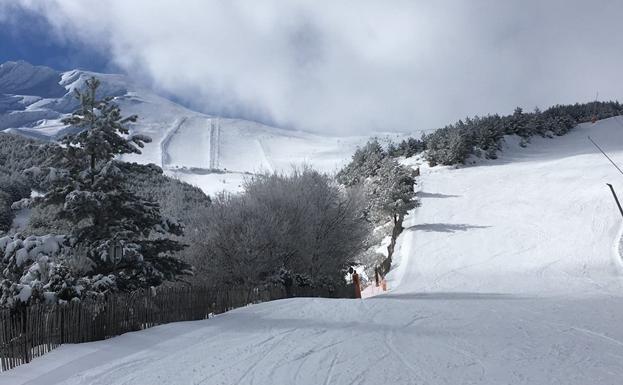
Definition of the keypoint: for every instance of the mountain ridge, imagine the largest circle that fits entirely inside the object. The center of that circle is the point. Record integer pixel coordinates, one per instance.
(34, 100)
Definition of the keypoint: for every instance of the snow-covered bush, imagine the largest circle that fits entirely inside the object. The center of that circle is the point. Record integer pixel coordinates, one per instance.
(301, 226)
(39, 269)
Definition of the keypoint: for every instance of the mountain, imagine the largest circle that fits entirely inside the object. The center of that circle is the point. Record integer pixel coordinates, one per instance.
(211, 152)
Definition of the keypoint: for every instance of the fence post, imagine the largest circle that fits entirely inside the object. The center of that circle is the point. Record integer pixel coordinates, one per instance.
(23, 312)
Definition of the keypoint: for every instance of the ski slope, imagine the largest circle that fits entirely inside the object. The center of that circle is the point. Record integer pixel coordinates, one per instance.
(509, 273)
(211, 152)
(540, 220)
(217, 154)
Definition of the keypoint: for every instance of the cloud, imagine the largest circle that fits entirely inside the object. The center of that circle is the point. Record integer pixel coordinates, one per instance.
(355, 65)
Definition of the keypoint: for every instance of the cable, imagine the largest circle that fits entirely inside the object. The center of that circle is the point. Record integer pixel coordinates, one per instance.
(606, 155)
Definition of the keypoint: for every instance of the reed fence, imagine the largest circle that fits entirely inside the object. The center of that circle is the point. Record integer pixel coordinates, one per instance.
(31, 331)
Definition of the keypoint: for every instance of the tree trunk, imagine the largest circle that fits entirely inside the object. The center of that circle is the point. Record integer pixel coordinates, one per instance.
(387, 263)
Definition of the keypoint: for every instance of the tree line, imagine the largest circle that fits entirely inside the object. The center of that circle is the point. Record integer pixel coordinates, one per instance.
(482, 136)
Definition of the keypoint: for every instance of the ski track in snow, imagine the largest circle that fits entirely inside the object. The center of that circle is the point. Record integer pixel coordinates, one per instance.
(265, 158)
(509, 273)
(215, 128)
(164, 144)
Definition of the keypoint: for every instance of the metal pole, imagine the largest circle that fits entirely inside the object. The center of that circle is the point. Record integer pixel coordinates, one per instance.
(616, 199)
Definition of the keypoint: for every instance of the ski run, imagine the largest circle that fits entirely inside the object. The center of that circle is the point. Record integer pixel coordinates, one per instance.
(508, 273)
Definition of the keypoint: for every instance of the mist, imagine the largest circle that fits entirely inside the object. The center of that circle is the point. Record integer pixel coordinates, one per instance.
(353, 67)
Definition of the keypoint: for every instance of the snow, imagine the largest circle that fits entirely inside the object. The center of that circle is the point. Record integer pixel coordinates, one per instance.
(509, 273)
(217, 154)
(30, 248)
(22, 78)
(542, 215)
(210, 149)
(25, 293)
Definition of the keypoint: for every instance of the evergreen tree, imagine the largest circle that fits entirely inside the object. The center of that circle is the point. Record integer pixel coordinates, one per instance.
(391, 193)
(124, 236)
(364, 164)
(100, 128)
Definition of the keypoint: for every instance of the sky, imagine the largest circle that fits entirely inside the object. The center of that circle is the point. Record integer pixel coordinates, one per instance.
(25, 36)
(342, 67)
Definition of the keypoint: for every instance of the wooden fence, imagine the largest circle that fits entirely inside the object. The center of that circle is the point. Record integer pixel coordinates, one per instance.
(29, 332)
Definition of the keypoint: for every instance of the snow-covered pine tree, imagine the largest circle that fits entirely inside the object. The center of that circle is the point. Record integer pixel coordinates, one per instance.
(537, 124)
(391, 192)
(124, 235)
(488, 135)
(364, 164)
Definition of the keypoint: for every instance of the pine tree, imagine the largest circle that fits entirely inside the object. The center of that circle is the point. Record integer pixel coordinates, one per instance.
(123, 235)
(517, 123)
(364, 164)
(100, 127)
(391, 192)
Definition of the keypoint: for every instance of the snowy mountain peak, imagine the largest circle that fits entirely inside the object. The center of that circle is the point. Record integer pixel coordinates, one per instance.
(22, 78)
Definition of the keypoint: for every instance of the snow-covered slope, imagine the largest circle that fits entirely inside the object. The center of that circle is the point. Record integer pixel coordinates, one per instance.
(509, 273)
(539, 220)
(211, 152)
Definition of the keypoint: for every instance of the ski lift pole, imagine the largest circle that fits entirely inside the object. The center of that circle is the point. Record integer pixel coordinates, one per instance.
(616, 199)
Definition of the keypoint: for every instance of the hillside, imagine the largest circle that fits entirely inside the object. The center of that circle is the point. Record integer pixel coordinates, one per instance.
(211, 152)
(509, 273)
(540, 220)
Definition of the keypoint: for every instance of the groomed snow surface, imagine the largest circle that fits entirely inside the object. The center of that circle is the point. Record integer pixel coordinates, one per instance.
(509, 273)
